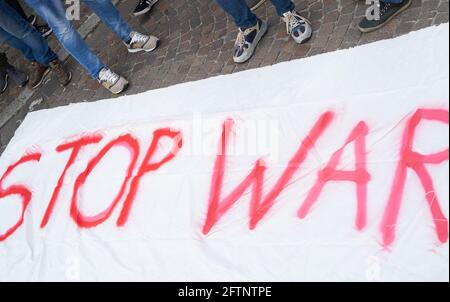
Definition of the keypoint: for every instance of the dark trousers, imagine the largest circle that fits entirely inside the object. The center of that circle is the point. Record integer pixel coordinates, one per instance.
(243, 16)
(16, 5)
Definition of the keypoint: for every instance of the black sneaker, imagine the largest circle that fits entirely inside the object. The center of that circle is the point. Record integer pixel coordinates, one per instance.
(387, 12)
(32, 20)
(144, 6)
(3, 80)
(44, 30)
(247, 41)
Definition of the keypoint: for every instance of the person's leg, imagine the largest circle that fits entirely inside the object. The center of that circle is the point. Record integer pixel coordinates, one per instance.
(23, 36)
(6, 37)
(283, 6)
(251, 29)
(111, 17)
(241, 13)
(52, 11)
(18, 8)
(43, 29)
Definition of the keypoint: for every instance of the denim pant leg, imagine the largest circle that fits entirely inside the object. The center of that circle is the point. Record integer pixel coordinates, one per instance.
(53, 12)
(16, 5)
(110, 16)
(6, 37)
(241, 13)
(19, 34)
(283, 6)
(393, 1)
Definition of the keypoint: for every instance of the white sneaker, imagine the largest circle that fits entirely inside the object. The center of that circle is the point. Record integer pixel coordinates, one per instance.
(112, 81)
(141, 42)
(247, 41)
(297, 27)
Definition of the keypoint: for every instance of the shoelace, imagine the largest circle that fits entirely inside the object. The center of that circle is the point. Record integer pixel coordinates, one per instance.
(240, 42)
(108, 76)
(384, 8)
(138, 38)
(293, 21)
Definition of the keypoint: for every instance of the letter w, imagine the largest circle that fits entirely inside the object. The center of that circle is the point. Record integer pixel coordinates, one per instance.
(259, 205)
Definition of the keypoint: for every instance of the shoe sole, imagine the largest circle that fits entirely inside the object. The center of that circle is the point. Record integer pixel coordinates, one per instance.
(125, 87)
(47, 33)
(33, 22)
(258, 38)
(6, 85)
(46, 73)
(146, 50)
(142, 12)
(68, 81)
(368, 30)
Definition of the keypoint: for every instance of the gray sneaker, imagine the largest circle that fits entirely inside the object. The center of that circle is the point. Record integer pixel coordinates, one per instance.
(3, 80)
(247, 41)
(140, 42)
(297, 27)
(112, 81)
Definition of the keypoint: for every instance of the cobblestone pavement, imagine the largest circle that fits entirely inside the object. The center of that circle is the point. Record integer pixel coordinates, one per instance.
(197, 41)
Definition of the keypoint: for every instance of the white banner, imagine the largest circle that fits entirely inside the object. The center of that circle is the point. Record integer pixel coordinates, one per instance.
(331, 168)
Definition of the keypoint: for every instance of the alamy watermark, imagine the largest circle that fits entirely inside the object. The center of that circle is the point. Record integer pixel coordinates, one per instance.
(373, 12)
(73, 10)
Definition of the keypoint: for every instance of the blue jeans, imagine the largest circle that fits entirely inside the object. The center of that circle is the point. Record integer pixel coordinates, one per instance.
(16, 32)
(53, 12)
(243, 16)
(393, 1)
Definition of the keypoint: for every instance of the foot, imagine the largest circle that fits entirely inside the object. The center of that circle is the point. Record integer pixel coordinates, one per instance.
(387, 12)
(140, 42)
(247, 41)
(32, 20)
(18, 77)
(3, 80)
(64, 77)
(143, 7)
(44, 30)
(112, 81)
(38, 74)
(297, 27)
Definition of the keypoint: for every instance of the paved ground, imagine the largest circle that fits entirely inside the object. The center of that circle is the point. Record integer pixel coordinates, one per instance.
(197, 40)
